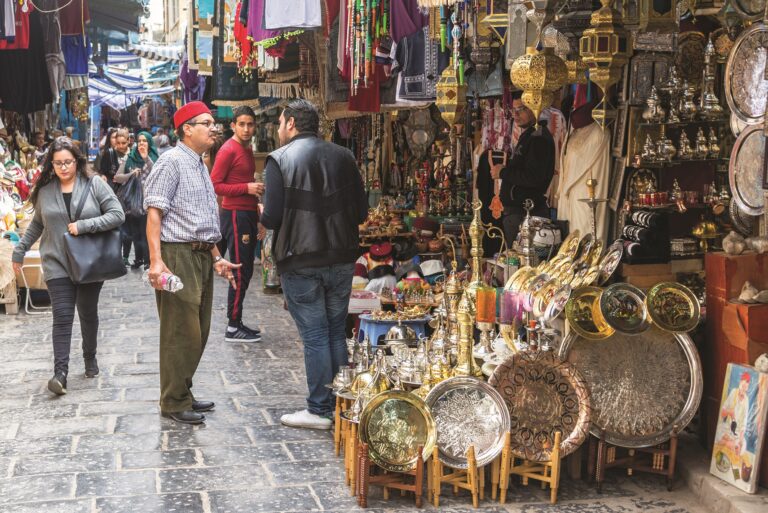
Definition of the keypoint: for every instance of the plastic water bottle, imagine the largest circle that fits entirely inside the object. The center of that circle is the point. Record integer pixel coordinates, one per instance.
(170, 282)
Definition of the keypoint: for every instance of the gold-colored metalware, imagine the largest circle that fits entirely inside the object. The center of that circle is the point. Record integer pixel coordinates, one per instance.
(622, 306)
(578, 312)
(673, 307)
(539, 74)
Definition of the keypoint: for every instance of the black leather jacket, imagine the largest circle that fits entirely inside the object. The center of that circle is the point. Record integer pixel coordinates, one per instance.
(323, 202)
(530, 171)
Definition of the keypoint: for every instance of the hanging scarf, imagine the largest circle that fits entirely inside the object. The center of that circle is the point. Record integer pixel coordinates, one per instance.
(135, 160)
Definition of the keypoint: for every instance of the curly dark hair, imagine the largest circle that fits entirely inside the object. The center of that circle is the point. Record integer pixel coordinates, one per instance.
(47, 174)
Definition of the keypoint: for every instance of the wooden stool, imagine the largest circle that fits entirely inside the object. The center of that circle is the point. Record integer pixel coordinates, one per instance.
(660, 459)
(337, 425)
(546, 472)
(351, 457)
(472, 479)
(394, 480)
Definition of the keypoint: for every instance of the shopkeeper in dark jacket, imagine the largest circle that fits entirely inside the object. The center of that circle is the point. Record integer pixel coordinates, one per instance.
(528, 174)
(315, 201)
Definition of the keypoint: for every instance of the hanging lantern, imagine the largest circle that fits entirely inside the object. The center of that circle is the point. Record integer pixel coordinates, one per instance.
(451, 95)
(539, 74)
(497, 18)
(604, 47)
(577, 71)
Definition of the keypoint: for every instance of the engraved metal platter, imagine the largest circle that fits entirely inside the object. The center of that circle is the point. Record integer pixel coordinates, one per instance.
(570, 245)
(395, 424)
(742, 222)
(745, 171)
(578, 311)
(673, 307)
(746, 88)
(750, 10)
(737, 125)
(642, 387)
(689, 58)
(515, 281)
(610, 262)
(544, 395)
(582, 251)
(468, 412)
(623, 307)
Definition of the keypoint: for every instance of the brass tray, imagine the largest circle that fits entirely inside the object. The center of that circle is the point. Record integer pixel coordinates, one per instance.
(468, 412)
(623, 307)
(585, 245)
(642, 387)
(578, 312)
(395, 424)
(673, 307)
(544, 395)
(570, 245)
(610, 262)
(516, 281)
(745, 171)
(746, 87)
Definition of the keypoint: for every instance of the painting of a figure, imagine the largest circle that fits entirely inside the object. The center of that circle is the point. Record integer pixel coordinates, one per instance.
(740, 427)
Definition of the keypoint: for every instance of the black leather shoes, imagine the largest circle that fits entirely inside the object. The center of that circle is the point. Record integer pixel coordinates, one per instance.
(58, 384)
(185, 417)
(91, 368)
(200, 406)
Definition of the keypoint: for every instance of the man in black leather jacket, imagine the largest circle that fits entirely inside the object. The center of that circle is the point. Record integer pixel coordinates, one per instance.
(314, 200)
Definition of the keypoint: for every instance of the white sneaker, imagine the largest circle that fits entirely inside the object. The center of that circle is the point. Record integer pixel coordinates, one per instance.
(304, 419)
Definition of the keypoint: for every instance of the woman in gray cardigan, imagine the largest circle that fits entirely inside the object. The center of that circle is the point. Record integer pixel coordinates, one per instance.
(56, 194)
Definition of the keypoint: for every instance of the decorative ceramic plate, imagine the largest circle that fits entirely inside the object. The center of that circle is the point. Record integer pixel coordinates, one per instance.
(610, 262)
(395, 424)
(578, 311)
(585, 244)
(673, 307)
(584, 276)
(544, 395)
(745, 172)
(468, 412)
(557, 302)
(593, 256)
(570, 245)
(746, 88)
(623, 307)
(515, 281)
(532, 288)
(643, 387)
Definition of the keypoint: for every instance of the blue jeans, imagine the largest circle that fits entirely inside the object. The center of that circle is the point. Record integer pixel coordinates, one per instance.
(318, 300)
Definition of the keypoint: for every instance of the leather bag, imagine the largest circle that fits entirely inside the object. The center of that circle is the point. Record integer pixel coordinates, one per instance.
(94, 257)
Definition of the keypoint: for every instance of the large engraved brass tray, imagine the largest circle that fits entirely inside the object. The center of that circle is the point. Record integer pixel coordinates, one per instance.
(468, 412)
(544, 395)
(746, 88)
(745, 171)
(642, 387)
(395, 424)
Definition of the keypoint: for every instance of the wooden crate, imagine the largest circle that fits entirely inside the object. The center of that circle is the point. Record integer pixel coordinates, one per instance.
(9, 298)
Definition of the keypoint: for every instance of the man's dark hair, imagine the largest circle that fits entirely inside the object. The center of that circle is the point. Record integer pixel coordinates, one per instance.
(304, 115)
(243, 110)
(516, 95)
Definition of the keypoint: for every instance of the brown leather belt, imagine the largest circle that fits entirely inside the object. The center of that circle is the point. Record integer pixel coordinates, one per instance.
(202, 246)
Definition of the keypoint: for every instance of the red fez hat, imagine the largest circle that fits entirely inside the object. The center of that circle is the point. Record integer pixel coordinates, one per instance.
(746, 377)
(189, 111)
(382, 250)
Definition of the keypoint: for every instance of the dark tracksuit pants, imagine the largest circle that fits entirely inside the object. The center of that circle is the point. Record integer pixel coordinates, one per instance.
(239, 228)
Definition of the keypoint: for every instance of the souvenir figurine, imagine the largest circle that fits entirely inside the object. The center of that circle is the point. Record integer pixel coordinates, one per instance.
(702, 148)
(714, 146)
(685, 152)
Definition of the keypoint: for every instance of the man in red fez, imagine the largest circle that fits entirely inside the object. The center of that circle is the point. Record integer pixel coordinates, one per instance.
(182, 231)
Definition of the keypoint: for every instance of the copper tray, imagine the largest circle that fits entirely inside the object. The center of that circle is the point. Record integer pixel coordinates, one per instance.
(468, 412)
(745, 171)
(544, 395)
(395, 424)
(642, 387)
(746, 89)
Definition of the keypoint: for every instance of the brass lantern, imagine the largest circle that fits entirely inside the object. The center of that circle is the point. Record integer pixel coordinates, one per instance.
(451, 96)
(539, 74)
(497, 18)
(605, 49)
(577, 71)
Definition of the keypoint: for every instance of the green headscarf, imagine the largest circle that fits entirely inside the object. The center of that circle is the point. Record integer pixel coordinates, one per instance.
(134, 157)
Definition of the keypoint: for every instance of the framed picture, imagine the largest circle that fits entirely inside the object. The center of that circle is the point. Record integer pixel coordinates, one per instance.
(617, 180)
(620, 132)
(204, 52)
(204, 14)
(740, 427)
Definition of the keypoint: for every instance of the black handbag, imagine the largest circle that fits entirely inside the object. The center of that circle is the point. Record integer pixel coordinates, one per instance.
(94, 257)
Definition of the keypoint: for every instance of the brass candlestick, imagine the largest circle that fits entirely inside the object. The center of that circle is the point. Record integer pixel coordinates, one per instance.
(465, 365)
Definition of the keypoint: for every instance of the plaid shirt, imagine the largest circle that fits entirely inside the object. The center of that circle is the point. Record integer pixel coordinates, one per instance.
(179, 185)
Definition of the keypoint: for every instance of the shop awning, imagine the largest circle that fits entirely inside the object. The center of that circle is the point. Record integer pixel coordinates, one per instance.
(106, 91)
(157, 53)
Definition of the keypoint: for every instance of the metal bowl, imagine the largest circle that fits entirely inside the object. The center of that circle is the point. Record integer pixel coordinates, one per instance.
(402, 333)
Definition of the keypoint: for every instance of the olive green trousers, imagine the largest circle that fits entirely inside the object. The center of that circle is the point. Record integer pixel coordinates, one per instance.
(185, 322)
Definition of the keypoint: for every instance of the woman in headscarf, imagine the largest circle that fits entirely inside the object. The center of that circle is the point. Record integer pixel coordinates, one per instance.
(138, 164)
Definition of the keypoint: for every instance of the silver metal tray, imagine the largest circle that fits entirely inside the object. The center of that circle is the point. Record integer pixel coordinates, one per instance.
(746, 89)
(745, 171)
(642, 386)
(468, 412)
(750, 10)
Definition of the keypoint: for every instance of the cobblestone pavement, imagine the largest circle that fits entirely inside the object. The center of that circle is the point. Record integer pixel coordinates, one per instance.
(104, 447)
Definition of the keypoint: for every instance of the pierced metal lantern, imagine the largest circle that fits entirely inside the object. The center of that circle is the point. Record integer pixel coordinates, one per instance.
(577, 71)
(539, 74)
(498, 18)
(605, 49)
(451, 96)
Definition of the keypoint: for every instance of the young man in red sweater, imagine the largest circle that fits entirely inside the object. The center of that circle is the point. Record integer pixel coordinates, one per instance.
(233, 179)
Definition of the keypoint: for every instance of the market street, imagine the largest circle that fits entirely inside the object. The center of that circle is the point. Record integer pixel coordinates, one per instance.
(104, 446)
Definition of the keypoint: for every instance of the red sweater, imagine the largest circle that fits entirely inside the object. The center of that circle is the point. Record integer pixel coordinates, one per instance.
(232, 171)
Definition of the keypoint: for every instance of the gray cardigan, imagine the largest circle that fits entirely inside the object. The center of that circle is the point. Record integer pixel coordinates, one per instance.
(101, 212)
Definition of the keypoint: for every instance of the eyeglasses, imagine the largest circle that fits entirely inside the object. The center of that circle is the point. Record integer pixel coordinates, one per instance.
(62, 164)
(518, 110)
(206, 124)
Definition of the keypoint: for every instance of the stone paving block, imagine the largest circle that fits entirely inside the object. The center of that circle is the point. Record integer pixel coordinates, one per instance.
(134, 381)
(143, 394)
(277, 388)
(162, 503)
(132, 368)
(220, 456)
(81, 397)
(54, 464)
(149, 423)
(120, 442)
(159, 459)
(23, 389)
(63, 426)
(47, 411)
(127, 482)
(119, 408)
(71, 506)
(334, 495)
(206, 436)
(232, 477)
(280, 433)
(148, 357)
(258, 377)
(12, 403)
(264, 500)
(258, 402)
(305, 471)
(10, 378)
(51, 445)
(36, 488)
(316, 451)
